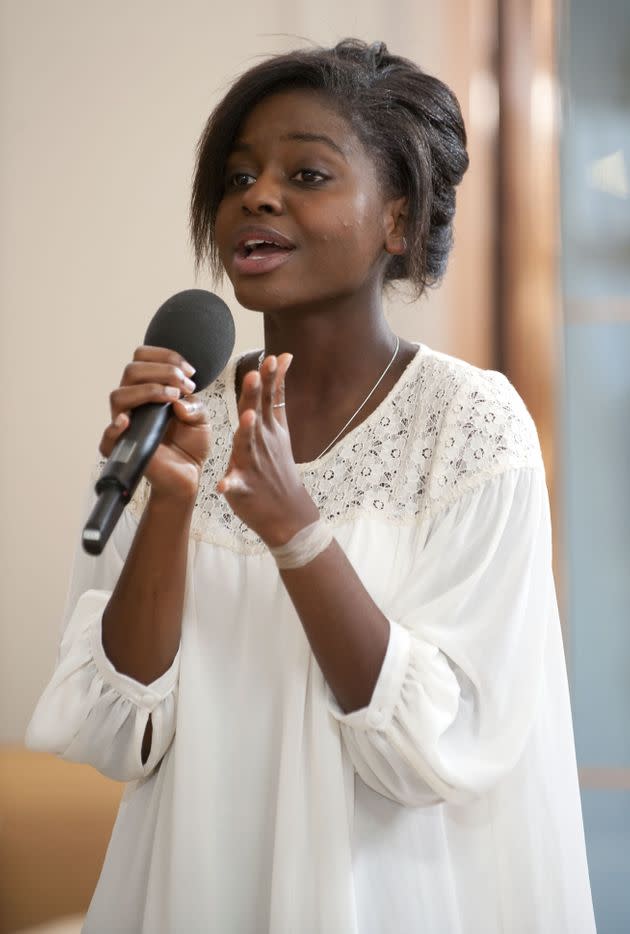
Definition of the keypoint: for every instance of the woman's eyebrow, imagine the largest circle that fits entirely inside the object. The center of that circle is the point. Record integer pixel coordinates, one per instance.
(242, 146)
(315, 138)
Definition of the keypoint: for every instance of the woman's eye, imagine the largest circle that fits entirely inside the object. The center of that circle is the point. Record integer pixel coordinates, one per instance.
(310, 176)
(239, 180)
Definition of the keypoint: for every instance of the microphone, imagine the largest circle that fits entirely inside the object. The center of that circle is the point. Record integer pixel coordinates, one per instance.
(198, 325)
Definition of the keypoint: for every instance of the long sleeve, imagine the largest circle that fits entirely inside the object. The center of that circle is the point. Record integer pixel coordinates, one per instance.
(457, 693)
(89, 712)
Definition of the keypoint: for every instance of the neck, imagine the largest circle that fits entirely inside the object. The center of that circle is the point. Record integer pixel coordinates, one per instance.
(331, 352)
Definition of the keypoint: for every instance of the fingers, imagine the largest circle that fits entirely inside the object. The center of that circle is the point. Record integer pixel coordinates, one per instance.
(150, 354)
(191, 411)
(255, 446)
(268, 373)
(139, 371)
(263, 391)
(244, 444)
(250, 392)
(233, 482)
(279, 402)
(126, 398)
(261, 403)
(112, 433)
(272, 402)
(154, 375)
(243, 455)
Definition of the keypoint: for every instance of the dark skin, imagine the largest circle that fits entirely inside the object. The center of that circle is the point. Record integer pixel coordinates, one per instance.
(327, 342)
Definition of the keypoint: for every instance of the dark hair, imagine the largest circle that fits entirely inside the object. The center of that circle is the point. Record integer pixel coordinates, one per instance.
(410, 122)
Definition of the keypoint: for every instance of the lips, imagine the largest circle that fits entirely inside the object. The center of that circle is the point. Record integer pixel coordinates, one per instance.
(261, 249)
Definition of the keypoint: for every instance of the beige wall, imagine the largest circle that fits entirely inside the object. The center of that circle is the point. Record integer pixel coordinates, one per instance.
(101, 103)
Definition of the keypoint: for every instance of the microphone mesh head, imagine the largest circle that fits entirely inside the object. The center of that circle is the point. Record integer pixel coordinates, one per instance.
(198, 325)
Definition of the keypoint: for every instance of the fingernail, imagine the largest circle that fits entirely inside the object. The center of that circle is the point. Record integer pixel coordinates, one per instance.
(188, 383)
(273, 365)
(119, 420)
(187, 368)
(172, 391)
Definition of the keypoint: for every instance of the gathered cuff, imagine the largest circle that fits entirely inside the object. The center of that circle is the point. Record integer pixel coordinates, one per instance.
(92, 713)
(145, 696)
(388, 688)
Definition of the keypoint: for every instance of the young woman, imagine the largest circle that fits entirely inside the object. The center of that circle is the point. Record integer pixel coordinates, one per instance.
(323, 645)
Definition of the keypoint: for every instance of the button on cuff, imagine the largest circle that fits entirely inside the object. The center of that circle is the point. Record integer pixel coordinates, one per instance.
(375, 719)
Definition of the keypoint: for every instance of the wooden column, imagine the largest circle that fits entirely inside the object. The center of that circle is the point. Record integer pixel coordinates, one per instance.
(529, 319)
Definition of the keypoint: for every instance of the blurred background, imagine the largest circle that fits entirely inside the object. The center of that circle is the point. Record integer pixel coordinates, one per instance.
(101, 105)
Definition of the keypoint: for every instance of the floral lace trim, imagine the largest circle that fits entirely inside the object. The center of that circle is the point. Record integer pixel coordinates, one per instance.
(444, 429)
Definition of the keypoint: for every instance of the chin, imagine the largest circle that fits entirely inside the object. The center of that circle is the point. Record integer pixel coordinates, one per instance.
(264, 297)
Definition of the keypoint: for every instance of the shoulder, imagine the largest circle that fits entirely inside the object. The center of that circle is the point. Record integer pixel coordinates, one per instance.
(481, 426)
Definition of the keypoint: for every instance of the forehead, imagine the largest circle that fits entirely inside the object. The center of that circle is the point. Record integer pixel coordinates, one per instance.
(299, 115)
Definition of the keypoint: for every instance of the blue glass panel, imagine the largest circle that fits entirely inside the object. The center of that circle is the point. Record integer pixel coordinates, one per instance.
(595, 173)
(607, 829)
(597, 488)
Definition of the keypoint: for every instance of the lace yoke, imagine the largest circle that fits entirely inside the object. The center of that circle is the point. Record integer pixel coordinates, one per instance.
(445, 428)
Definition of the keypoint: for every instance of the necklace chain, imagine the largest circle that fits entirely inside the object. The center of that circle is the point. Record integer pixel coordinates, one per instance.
(365, 401)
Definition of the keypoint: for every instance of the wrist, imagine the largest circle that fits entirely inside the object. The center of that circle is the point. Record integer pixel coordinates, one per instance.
(176, 505)
(304, 547)
(285, 529)
(181, 488)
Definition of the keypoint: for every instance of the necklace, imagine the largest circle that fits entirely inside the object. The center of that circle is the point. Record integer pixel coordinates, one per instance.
(365, 401)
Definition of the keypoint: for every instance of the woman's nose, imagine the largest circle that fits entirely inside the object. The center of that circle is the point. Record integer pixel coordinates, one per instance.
(263, 196)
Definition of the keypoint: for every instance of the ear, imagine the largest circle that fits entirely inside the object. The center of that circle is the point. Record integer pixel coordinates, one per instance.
(395, 225)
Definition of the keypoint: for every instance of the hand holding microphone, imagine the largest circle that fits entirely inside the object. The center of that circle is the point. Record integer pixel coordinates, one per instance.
(162, 377)
(158, 429)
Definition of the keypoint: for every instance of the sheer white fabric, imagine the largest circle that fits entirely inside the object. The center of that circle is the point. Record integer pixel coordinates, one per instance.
(450, 804)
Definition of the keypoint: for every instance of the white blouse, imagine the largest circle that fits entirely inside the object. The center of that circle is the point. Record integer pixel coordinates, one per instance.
(450, 804)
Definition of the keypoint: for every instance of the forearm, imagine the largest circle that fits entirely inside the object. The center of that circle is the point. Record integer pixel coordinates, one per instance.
(346, 630)
(141, 626)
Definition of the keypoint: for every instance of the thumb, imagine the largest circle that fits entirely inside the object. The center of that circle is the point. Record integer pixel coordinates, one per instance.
(190, 410)
(279, 402)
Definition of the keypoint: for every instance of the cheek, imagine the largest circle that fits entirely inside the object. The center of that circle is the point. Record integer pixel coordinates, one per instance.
(347, 218)
(355, 235)
(221, 230)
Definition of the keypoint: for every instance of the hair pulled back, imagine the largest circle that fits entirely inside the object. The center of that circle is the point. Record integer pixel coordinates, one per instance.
(409, 121)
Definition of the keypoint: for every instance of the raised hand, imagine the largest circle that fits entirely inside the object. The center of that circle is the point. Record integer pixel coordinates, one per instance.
(159, 375)
(262, 483)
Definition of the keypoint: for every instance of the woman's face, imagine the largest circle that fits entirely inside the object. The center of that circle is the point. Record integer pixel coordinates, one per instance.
(299, 179)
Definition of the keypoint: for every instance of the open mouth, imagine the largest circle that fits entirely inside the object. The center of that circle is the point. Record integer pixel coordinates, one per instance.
(260, 249)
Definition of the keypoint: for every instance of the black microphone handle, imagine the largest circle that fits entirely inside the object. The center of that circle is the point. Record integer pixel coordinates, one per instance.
(123, 472)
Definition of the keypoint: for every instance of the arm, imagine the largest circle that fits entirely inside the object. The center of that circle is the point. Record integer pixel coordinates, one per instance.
(461, 685)
(347, 631)
(141, 625)
(142, 621)
(437, 701)
(115, 682)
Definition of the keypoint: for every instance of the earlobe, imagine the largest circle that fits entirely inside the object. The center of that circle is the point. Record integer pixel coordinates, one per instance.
(395, 240)
(397, 246)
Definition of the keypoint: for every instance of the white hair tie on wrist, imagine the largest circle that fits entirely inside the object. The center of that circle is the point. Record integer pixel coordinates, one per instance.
(304, 546)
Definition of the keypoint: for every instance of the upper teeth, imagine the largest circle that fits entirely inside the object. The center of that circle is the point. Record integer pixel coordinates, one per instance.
(251, 244)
